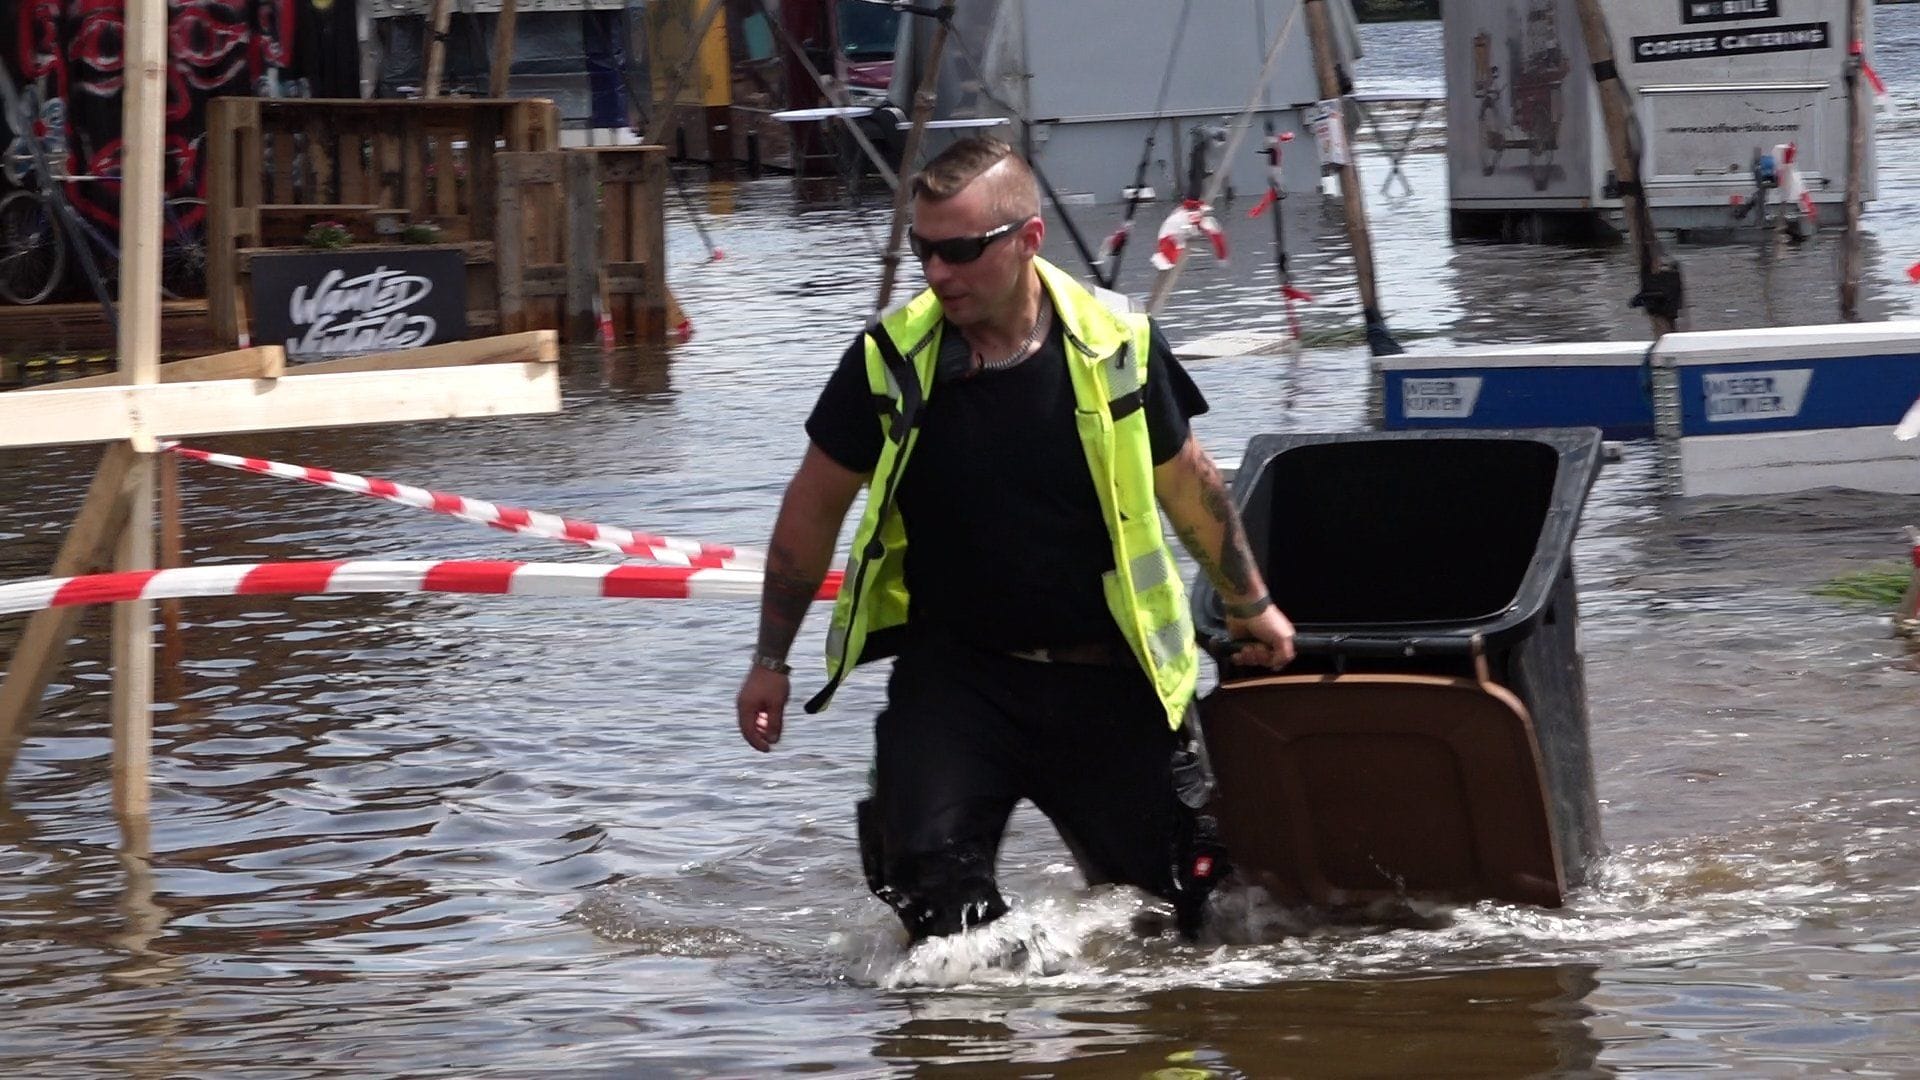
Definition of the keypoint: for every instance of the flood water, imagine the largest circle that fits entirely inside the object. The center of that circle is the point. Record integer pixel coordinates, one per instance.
(394, 835)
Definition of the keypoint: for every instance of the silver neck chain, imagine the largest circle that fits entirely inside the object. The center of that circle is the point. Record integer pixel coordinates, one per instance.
(1022, 350)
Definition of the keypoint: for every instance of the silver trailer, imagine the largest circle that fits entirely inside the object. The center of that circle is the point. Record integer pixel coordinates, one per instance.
(1719, 86)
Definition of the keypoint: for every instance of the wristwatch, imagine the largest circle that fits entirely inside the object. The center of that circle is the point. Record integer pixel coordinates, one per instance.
(771, 663)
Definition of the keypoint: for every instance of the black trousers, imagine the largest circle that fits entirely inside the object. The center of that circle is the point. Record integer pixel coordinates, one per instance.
(967, 734)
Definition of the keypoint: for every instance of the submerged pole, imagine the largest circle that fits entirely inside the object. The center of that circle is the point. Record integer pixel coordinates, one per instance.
(1857, 120)
(1379, 341)
(1660, 290)
(923, 99)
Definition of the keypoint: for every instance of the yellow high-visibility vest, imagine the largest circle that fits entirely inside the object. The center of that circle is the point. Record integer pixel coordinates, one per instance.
(1107, 357)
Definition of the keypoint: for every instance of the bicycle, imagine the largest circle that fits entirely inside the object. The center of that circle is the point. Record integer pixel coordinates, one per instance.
(37, 224)
(33, 247)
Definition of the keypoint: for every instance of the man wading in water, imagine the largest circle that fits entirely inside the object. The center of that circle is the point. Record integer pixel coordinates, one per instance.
(1017, 435)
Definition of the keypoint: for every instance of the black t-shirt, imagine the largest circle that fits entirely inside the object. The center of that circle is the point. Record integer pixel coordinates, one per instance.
(1006, 539)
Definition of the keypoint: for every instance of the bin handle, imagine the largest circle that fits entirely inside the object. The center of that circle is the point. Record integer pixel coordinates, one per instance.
(1366, 646)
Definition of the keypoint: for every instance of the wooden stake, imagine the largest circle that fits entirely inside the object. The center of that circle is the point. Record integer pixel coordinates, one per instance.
(170, 559)
(503, 31)
(439, 17)
(1858, 119)
(88, 547)
(1358, 237)
(923, 101)
(133, 651)
(142, 172)
(1616, 107)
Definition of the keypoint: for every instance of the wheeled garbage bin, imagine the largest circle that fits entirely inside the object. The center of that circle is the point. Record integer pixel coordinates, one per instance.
(1429, 742)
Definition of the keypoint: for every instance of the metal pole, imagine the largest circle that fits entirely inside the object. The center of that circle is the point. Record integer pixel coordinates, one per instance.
(1660, 291)
(1163, 286)
(923, 100)
(1857, 119)
(1379, 341)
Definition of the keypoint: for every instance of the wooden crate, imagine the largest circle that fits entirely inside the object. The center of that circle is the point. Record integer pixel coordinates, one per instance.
(604, 201)
(272, 164)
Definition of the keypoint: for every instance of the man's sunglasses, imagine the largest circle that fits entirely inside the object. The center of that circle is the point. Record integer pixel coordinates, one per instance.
(958, 249)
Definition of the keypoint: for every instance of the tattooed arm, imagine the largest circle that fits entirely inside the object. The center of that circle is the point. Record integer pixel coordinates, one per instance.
(1194, 497)
(816, 503)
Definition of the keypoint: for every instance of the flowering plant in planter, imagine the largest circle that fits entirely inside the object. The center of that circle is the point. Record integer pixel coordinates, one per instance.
(328, 236)
(420, 232)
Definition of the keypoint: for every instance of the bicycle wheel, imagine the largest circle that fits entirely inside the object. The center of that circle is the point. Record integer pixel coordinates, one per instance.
(183, 255)
(33, 254)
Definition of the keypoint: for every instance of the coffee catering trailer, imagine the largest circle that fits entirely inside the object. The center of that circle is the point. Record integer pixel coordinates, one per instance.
(1721, 87)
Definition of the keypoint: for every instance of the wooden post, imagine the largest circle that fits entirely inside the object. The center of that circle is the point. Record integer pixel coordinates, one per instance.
(1615, 106)
(43, 644)
(439, 17)
(923, 101)
(583, 244)
(142, 164)
(1858, 117)
(1320, 33)
(503, 31)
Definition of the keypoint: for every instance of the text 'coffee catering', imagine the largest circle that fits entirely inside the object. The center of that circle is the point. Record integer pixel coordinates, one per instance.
(1794, 37)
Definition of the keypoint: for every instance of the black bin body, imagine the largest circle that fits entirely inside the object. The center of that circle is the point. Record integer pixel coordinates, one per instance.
(1407, 553)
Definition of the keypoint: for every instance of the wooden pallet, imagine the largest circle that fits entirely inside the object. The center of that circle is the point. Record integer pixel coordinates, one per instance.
(277, 166)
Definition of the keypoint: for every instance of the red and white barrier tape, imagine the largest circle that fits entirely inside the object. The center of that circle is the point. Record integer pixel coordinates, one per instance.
(660, 549)
(627, 581)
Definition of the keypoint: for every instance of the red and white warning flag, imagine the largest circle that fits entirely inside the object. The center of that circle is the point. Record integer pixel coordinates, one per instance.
(1792, 188)
(1880, 96)
(1190, 217)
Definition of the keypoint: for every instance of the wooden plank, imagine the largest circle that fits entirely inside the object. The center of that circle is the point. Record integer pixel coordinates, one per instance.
(320, 160)
(88, 547)
(583, 256)
(439, 17)
(446, 198)
(283, 185)
(509, 231)
(351, 157)
(475, 251)
(390, 191)
(530, 347)
(251, 181)
(614, 247)
(482, 173)
(223, 116)
(413, 145)
(503, 34)
(544, 280)
(523, 169)
(227, 406)
(259, 362)
(143, 186)
(652, 319)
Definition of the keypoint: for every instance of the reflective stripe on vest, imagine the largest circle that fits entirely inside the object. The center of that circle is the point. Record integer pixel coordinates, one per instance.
(1107, 357)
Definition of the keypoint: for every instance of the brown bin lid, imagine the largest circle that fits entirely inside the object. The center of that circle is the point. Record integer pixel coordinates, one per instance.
(1339, 790)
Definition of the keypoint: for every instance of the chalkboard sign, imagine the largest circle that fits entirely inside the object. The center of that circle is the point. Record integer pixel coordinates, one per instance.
(325, 304)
